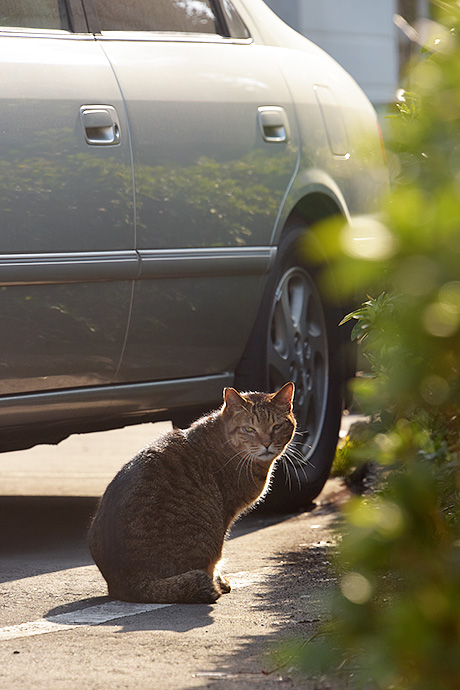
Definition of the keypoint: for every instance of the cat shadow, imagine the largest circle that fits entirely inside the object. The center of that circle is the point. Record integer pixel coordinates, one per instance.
(179, 618)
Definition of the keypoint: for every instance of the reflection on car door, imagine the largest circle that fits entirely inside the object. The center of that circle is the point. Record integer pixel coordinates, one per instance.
(67, 256)
(214, 147)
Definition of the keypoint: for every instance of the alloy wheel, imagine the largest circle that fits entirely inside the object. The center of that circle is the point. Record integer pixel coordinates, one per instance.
(298, 352)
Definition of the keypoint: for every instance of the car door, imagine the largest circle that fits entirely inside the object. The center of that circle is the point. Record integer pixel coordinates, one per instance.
(215, 147)
(67, 256)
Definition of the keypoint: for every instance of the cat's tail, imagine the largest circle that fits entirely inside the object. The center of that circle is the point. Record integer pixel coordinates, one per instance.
(192, 587)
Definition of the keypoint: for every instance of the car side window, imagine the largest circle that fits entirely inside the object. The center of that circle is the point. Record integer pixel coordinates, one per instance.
(34, 14)
(189, 16)
(236, 27)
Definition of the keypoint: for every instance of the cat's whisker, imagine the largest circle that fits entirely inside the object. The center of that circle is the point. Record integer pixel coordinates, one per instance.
(241, 465)
(303, 468)
(300, 462)
(250, 472)
(301, 443)
(252, 469)
(287, 474)
(295, 467)
(240, 452)
(247, 463)
(300, 432)
(291, 449)
(303, 464)
(249, 460)
(296, 454)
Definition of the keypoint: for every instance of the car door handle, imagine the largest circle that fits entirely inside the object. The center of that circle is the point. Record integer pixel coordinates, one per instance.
(100, 125)
(273, 123)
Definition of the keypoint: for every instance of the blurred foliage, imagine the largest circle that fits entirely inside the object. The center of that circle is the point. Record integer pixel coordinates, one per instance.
(353, 457)
(396, 618)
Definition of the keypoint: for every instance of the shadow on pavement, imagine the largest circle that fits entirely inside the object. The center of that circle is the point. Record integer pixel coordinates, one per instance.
(40, 522)
(48, 533)
(41, 534)
(300, 598)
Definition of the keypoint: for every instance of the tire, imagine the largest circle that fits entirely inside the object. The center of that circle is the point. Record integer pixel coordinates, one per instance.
(295, 338)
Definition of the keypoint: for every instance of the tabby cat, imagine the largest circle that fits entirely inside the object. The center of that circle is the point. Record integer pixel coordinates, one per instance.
(159, 531)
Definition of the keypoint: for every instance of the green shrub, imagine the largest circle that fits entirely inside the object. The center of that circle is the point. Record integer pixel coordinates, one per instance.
(396, 620)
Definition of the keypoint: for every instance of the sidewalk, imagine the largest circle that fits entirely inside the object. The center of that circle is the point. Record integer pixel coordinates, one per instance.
(282, 588)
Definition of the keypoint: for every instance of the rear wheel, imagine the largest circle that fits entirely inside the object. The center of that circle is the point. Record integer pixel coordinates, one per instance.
(296, 338)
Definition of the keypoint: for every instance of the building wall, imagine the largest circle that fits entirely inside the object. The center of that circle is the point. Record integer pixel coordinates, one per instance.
(359, 34)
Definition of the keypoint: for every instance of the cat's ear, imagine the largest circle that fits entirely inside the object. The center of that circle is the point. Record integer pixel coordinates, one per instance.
(284, 396)
(233, 399)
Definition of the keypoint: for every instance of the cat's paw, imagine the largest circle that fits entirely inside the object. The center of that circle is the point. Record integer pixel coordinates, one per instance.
(223, 584)
(204, 589)
(207, 596)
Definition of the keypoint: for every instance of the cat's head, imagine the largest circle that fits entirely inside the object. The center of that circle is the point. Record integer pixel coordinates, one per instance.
(259, 424)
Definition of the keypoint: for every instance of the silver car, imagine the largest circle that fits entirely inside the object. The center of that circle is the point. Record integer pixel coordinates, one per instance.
(160, 164)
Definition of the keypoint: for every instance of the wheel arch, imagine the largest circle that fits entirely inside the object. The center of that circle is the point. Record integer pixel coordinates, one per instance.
(313, 196)
(308, 211)
(311, 209)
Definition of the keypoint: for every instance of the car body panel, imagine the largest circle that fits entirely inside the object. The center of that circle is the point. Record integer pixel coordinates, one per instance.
(66, 217)
(205, 176)
(50, 177)
(209, 176)
(180, 294)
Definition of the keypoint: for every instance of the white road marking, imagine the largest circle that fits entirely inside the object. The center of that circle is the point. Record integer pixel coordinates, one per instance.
(91, 615)
(102, 613)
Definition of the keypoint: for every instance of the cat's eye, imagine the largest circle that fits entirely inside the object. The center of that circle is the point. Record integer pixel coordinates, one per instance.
(248, 429)
(277, 427)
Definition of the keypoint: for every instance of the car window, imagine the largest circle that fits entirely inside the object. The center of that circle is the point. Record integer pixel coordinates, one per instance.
(34, 14)
(236, 27)
(195, 16)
